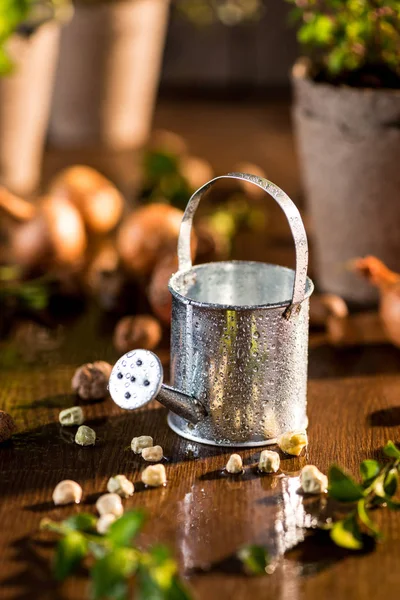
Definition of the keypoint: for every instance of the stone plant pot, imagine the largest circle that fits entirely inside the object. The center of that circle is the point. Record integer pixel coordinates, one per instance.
(349, 148)
(25, 97)
(110, 58)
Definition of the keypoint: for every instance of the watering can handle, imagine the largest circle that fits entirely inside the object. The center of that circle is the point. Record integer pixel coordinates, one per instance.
(287, 205)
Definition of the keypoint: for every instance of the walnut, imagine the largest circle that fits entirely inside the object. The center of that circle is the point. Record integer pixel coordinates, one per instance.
(90, 381)
(7, 426)
(142, 331)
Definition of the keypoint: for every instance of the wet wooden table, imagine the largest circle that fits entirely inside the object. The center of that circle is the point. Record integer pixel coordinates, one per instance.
(202, 514)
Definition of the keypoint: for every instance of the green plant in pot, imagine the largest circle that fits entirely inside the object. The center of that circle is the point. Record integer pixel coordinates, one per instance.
(29, 32)
(347, 119)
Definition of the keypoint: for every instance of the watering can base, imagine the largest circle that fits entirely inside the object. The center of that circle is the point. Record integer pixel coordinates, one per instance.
(188, 431)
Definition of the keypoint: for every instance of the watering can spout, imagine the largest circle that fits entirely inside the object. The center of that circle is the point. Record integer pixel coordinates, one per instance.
(181, 404)
(136, 379)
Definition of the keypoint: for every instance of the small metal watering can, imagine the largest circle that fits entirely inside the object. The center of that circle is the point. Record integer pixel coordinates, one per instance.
(239, 343)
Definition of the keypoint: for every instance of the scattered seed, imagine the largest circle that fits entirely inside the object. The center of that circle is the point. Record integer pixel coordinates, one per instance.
(104, 522)
(67, 492)
(153, 453)
(143, 441)
(293, 442)
(312, 480)
(120, 485)
(234, 464)
(85, 436)
(71, 416)
(154, 475)
(109, 504)
(269, 461)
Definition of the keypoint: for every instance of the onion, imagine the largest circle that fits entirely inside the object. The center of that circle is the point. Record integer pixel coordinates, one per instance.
(140, 331)
(97, 199)
(147, 235)
(388, 283)
(54, 236)
(196, 171)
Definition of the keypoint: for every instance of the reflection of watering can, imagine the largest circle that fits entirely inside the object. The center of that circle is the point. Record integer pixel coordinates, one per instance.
(239, 340)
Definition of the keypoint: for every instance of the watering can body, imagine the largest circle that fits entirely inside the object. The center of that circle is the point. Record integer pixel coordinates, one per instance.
(239, 341)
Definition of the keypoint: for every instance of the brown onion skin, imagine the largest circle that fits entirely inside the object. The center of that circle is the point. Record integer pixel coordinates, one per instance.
(388, 282)
(54, 237)
(196, 171)
(147, 235)
(389, 311)
(96, 197)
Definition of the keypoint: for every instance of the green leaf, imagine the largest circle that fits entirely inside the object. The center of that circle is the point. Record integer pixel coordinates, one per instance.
(369, 469)
(391, 450)
(162, 567)
(365, 518)
(124, 529)
(149, 589)
(71, 549)
(255, 559)
(390, 483)
(346, 533)
(81, 522)
(392, 504)
(342, 486)
(157, 577)
(110, 574)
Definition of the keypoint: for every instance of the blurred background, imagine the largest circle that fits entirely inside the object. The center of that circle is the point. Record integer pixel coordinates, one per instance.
(113, 112)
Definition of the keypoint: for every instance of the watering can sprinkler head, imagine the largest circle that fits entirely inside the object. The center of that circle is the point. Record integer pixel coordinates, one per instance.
(137, 378)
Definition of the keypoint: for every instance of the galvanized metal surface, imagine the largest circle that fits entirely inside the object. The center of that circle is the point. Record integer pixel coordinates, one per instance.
(239, 338)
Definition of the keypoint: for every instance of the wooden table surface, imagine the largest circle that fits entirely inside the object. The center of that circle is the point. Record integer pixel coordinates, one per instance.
(202, 514)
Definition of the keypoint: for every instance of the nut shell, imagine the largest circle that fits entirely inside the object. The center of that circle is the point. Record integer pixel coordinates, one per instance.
(7, 426)
(90, 381)
(142, 331)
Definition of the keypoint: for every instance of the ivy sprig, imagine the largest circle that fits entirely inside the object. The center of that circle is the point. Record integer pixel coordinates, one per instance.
(112, 560)
(378, 485)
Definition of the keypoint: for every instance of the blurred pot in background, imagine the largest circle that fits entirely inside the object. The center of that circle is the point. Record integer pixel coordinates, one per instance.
(28, 52)
(110, 58)
(347, 115)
